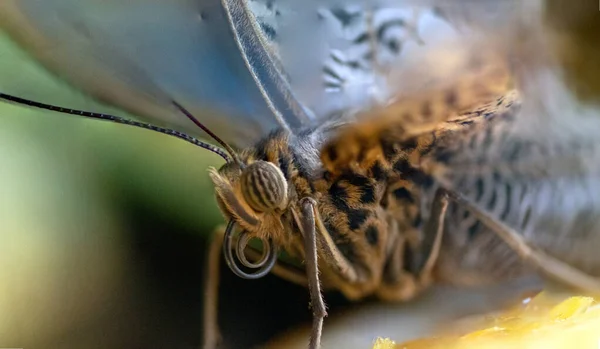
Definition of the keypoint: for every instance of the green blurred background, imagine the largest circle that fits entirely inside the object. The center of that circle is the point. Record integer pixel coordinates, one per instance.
(104, 228)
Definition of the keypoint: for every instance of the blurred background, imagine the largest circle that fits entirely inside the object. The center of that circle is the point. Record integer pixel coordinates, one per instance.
(103, 232)
(103, 229)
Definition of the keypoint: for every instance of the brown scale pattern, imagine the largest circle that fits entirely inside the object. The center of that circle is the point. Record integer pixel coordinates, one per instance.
(369, 194)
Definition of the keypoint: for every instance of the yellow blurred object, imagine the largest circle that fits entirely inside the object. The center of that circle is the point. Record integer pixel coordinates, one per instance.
(543, 322)
(384, 343)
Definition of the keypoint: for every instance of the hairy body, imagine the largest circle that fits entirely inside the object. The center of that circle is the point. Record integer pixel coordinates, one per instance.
(372, 211)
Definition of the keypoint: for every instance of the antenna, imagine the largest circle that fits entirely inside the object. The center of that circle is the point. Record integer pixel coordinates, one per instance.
(120, 120)
(189, 115)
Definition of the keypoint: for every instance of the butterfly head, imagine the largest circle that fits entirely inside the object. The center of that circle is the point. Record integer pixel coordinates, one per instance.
(254, 195)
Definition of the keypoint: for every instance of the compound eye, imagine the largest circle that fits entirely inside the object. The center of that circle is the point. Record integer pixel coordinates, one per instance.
(264, 187)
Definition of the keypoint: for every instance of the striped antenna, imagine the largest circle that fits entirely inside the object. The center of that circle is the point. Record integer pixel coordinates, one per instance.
(232, 156)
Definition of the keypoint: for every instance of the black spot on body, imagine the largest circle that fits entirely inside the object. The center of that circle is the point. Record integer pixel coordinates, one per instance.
(402, 166)
(355, 179)
(368, 195)
(410, 173)
(409, 144)
(372, 235)
(402, 194)
(339, 197)
(378, 172)
(331, 152)
(356, 218)
(362, 183)
(423, 180)
(388, 148)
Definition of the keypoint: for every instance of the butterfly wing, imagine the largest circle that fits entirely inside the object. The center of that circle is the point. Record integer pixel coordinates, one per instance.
(536, 170)
(309, 59)
(141, 54)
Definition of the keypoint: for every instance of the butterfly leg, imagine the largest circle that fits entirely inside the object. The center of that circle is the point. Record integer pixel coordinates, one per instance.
(211, 333)
(547, 264)
(403, 282)
(309, 231)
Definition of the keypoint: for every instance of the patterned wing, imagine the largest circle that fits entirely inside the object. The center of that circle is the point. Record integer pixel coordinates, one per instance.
(534, 167)
(530, 157)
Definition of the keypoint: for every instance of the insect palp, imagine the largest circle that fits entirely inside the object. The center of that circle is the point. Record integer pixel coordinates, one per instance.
(265, 264)
(240, 252)
(123, 121)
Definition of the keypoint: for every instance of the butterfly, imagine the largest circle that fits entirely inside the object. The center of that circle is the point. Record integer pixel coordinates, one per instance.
(362, 180)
